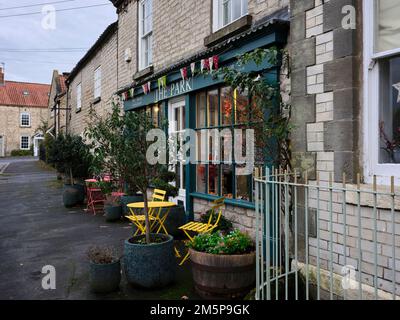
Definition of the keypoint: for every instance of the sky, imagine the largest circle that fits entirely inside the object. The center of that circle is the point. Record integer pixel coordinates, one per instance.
(32, 46)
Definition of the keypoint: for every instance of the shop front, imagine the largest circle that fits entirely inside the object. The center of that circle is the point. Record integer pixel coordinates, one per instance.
(190, 96)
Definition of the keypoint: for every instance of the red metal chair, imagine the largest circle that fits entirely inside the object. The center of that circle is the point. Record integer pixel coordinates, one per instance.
(95, 198)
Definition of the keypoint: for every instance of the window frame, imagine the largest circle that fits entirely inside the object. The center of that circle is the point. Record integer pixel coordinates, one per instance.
(218, 13)
(219, 166)
(371, 95)
(20, 142)
(29, 120)
(79, 96)
(97, 83)
(148, 37)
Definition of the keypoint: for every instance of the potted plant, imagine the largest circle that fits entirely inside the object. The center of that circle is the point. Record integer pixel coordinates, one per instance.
(149, 259)
(105, 269)
(391, 146)
(223, 266)
(112, 205)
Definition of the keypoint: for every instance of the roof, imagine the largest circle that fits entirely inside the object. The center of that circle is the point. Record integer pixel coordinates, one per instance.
(280, 18)
(110, 30)
(12, 94)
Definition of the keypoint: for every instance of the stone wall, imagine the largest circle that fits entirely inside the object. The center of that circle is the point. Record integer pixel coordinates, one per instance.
(10, 127)
(106, 57)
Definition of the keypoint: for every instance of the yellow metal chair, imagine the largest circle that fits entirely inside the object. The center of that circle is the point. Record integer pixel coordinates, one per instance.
(200, 227)
(139, 220)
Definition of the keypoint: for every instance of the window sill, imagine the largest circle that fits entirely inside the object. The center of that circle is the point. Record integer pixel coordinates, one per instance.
(96, 100)
(231, 202)
(228, 31)
(78, 110)
(143, 73)
(25, 126)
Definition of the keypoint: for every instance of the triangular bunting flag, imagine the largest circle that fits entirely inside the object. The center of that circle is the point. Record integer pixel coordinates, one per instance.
(184, 73)
(211, 62)
(216, 62)
(144, 87)
(132, 92)
(193, 68)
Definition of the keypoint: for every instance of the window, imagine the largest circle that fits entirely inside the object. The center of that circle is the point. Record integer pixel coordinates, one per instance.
(146, 33)
(228, 11)
(382, 92)
(97, 83)
(25, 119)
(79, 96)
(216, 172)
(24, 144)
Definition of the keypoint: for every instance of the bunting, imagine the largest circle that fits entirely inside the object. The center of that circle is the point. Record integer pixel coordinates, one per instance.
(162, 82)
(184, 73)
(193, 68)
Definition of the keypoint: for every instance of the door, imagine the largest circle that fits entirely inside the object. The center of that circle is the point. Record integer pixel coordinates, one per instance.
(177, 126)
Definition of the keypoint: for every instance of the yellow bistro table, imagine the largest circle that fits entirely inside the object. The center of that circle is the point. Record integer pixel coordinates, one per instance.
(154, 219)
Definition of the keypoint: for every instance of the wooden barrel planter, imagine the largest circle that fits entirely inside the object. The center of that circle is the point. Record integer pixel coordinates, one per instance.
(223, 276)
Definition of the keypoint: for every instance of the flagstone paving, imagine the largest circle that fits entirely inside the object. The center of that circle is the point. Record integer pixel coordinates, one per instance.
(36, 230)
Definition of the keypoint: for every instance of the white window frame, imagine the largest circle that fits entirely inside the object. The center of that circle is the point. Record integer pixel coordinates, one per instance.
(29, 142)
(97, 83)
(218, 13)
(79, 96)
(29, 120)
(145, 37)
(371, 133)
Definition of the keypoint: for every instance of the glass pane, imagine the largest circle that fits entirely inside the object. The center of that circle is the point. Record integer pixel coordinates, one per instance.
(150, 49)
(226, 12)
(156, 119)
(178, 176)
(201, 178)
(227, 181)
(236, 9)
(389, 113)
(213, 179)
(183, 168)
(213, 108)
(387, 28)
(177, 119)
(241, 103)
(226, 106)
(201, 145)
(243, 185)
(183, 125)
(201, 110)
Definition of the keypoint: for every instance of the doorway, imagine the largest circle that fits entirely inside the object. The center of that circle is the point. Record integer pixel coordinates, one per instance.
(177, 126)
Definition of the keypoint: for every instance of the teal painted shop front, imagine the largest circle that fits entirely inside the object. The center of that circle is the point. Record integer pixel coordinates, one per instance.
(202, 102)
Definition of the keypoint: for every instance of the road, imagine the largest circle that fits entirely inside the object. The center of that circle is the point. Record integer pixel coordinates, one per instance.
(36, 230)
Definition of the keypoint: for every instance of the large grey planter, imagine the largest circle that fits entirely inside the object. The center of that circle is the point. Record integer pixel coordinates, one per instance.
(176, 218)
(105, 278)
(70, 196)
(150, 266)
(81, 192)
(112, 213)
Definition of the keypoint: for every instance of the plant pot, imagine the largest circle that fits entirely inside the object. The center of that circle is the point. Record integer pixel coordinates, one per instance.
(150, 266)
(223, 276)
(112, 212)
(81, 192)
(105, 278)
(125, 200)
(176, 218)
(70, 196)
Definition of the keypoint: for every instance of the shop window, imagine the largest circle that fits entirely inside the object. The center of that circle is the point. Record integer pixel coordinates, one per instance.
(228, 11)
(216, 173)
(146, 33)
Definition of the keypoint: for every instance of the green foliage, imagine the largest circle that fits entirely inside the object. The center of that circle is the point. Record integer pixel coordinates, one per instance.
(163, 182)
(70, 155)
(233, 243)
(120, 148)
(224, 224)
(21, 153)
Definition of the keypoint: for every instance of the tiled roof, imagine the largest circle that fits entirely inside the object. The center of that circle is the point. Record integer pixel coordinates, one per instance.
(24, 94)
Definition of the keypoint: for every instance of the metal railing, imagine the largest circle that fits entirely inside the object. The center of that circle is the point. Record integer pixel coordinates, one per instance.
(324, 240)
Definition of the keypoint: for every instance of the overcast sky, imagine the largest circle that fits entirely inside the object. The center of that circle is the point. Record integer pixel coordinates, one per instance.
(74, 29)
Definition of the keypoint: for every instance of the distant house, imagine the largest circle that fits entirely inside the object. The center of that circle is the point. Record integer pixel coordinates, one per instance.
(22, 108)
(57, 103)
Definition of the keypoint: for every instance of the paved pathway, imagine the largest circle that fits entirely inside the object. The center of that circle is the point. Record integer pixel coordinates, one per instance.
(36, 230)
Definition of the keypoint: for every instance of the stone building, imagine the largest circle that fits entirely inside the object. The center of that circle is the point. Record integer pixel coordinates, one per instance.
(57, 106)
(93, 81)
(23, 106)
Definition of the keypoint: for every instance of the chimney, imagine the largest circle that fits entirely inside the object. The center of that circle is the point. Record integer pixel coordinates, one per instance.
(2, 80)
